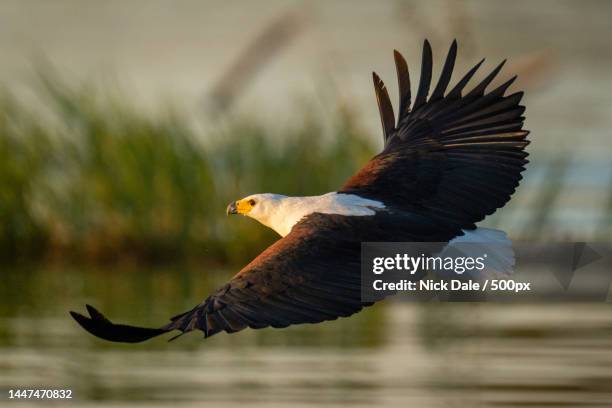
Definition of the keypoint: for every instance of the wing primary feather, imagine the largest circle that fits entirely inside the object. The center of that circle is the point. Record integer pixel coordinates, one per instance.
(446, 74)
(233, 321)
(249, 316)
(508, 102)
(387, 117)
(456, 91)
(480, 88)
(403, 81)
(425, 80)
(98, 325)
(501, 90)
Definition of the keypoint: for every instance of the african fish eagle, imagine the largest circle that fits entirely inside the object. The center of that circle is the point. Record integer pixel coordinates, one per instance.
(449, 160)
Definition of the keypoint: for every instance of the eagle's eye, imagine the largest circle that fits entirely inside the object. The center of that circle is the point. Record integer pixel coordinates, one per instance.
(252, 202)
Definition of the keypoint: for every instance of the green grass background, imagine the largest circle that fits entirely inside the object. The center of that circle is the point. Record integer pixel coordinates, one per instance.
(91, 178)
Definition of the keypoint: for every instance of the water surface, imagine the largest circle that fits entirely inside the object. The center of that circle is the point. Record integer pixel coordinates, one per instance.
(394, 354)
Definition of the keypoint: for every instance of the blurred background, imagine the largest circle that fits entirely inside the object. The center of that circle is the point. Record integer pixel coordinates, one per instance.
(127, 127)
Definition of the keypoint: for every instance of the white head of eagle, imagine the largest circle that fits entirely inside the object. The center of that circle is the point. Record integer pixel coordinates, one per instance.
(281, 212)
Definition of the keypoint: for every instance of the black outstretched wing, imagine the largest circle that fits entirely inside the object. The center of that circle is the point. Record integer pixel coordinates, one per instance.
(453, 156)
(311, 275)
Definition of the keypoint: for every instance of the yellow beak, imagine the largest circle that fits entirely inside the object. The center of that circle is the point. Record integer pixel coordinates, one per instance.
(239, 207)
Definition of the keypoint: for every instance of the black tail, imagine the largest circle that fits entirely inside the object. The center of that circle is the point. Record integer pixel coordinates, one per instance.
(101, 327)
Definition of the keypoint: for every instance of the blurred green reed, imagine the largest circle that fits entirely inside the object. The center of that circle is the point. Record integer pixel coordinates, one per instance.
(91, 178)
(22, 167)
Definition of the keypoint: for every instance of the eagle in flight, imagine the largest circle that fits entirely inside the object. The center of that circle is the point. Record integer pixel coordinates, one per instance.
(451, 158)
